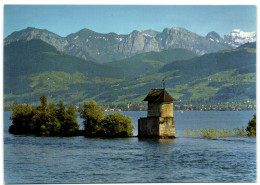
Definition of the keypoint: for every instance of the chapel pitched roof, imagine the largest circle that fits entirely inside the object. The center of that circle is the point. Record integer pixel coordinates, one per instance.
(158, 95)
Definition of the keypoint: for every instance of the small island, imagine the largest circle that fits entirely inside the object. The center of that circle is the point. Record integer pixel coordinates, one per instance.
(51, 120)
(44, 120)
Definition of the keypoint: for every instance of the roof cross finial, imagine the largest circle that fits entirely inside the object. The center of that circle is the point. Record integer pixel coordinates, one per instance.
(163, 84)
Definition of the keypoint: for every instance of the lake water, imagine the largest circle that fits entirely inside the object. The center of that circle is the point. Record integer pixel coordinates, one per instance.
(131, 160)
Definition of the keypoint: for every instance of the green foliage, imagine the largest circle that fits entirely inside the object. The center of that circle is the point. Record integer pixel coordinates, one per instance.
(22, 119)
(240, 132)
(187, 132)
(44, 120)
(214, 133)
(92, 115)
(98, 124)
(251, 128)
(117, 125)
(43, 101)
(70, 122)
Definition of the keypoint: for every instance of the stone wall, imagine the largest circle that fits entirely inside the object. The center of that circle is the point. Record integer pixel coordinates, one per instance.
(153, 110)
(156, 127)
(166, 127)
(164, 109)
(148, 126)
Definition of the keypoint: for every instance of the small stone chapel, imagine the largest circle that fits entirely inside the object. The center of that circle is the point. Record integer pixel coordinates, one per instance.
(159, 122)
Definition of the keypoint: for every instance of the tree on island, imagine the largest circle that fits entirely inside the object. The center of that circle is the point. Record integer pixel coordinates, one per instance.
(22, 119)
(251, 128)
(44, 120)
(92, 115)
(96, 123)
(117, 124)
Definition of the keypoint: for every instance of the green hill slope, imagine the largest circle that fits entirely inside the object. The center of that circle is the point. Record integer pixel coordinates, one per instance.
(35, 67)
(147, 63)
(35, 56)
(32, 68)
(217, 77)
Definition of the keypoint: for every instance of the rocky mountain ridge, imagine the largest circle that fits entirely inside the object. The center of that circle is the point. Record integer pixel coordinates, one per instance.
(109, 47)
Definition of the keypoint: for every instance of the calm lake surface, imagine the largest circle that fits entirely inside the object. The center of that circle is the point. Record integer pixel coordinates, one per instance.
(131, 160)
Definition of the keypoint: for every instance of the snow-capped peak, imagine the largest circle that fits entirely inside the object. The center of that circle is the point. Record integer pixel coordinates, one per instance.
(240, 33)
(237, 37)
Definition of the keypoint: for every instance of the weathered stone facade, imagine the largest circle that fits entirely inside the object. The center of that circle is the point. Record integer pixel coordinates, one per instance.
(160, 120)
(156, 127)
(162, 109)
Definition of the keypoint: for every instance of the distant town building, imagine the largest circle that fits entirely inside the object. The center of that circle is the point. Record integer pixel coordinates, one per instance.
(159, 121)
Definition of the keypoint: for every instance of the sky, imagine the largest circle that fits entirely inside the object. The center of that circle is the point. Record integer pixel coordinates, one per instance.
(123, 19)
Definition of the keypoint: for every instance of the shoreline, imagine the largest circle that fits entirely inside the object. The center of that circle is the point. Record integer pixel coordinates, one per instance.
(81, 133)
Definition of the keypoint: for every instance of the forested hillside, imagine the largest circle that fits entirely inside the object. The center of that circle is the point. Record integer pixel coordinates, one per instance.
(32, 68)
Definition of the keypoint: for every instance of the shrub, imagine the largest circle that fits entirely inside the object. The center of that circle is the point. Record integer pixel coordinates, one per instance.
(240, 132)
(214, 133)
(96, 123)
(251, 128)
(186, 132)
(117, 125)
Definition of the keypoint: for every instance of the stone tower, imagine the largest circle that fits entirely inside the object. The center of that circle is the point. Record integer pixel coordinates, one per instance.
(159, 121)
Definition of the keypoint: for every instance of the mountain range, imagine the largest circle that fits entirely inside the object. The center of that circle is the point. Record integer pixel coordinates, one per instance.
(103, 48)
(34, 67)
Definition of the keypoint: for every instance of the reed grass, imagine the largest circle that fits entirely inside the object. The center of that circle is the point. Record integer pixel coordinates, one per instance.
(240, 132)
(215, 133)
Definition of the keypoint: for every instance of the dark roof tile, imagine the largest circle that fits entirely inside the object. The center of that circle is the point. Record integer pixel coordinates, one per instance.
(158, 95)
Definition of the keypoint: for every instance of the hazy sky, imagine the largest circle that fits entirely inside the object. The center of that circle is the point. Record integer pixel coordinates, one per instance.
(64, 20)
